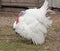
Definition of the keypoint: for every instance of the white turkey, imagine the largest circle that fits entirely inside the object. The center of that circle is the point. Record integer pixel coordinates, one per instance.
(33, 24)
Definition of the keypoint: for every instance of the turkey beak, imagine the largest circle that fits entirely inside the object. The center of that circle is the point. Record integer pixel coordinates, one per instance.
(14, 29)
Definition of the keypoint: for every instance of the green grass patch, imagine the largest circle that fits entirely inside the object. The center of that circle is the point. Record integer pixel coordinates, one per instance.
(12, 42)
(18, 46)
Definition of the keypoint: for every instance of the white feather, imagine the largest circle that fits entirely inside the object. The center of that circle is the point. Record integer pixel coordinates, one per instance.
(33, 24)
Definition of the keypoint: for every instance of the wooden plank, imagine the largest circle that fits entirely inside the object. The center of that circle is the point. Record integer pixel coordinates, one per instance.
(28, 3)
(32, 1)
(0, 3)
(24, 0)
(6, 1)
(19, 4)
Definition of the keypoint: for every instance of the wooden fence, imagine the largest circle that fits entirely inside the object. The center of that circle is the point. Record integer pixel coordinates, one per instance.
(24, 3)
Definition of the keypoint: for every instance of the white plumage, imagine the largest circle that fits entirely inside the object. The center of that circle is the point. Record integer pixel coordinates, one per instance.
(33, 24)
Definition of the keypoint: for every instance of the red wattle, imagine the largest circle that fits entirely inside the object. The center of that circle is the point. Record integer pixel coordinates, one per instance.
(17, 20)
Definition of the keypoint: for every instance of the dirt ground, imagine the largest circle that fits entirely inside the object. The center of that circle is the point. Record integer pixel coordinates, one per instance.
(52, 40)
